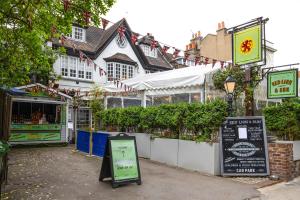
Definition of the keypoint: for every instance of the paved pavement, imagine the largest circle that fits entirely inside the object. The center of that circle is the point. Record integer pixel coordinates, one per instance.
(58, 173)
(282, 191)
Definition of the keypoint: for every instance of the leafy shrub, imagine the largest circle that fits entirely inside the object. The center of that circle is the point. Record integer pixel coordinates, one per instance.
(170, 120)
(284, 120)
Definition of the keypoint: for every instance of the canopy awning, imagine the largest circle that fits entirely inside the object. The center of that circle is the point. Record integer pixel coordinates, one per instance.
(172, 79)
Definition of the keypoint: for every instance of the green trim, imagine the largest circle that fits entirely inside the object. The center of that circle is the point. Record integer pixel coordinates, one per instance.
(282, 84)
(25, 137)
(16, 127)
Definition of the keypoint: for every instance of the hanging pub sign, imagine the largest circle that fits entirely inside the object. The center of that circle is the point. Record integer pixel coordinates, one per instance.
(120, 161)
(282, 84)
(248, 43)
(244, 147)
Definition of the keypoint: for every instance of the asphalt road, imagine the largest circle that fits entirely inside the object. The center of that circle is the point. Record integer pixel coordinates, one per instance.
(58, 173)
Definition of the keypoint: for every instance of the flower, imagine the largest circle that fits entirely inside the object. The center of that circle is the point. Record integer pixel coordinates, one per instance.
(246, 46)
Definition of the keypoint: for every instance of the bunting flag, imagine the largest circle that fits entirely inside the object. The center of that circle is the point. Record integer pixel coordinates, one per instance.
(222, 64)
(165, 49)
(206, 61)
(186, 56)
(74, 47)
(176, 52)
(153, 44)
(197, 60)
(134, 38)
(89, 61)
(81, 56)
(104, 23)
(86, 17)
(62, 40)
(213, 62)
(121, 31)
(66, 5)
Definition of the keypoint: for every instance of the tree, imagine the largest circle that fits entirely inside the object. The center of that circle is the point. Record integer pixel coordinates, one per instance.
(26, 25)
(96, 103)
(242, 84)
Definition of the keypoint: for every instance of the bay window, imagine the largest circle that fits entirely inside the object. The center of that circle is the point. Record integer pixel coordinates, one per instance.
(118, 71)
(72, 67)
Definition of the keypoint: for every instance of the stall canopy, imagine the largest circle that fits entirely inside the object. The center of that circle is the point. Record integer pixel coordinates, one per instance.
(184, 78)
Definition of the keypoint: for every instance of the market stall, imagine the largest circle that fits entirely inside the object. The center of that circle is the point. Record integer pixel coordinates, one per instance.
(39, 116)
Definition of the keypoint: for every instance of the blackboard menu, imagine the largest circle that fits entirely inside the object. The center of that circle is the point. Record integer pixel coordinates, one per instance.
(244, 147)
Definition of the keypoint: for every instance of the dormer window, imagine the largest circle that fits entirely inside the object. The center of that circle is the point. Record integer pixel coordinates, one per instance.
(78, 34)
(148, 52)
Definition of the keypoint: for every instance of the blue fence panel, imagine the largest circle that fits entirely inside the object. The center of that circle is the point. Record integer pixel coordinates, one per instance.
(83, 141)
(99, 143)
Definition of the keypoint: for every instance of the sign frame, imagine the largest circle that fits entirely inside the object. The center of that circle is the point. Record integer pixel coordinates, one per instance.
(266, 153)
(234, 30)
(269, 96)
(107, 168)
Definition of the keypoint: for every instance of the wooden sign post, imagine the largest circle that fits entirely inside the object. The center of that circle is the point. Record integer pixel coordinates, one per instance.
(120, 161)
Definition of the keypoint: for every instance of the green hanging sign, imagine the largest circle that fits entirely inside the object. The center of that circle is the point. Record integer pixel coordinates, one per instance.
(283, 84)
(247, 45)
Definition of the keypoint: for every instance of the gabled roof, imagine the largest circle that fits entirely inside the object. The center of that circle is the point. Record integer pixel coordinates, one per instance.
(161, 62)
(98, 39)
(120, 57)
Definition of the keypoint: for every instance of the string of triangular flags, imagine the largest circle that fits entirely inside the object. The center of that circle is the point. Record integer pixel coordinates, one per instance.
(154, 44)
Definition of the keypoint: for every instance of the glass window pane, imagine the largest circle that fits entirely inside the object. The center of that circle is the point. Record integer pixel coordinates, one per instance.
(118, 71)
(124, 72)
(110, 71)
(178, 98)
(195, 97)
(132, 102)
(113, 102)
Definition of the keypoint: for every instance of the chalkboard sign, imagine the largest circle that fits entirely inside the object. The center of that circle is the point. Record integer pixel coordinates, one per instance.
(120, 162)
(244, 147)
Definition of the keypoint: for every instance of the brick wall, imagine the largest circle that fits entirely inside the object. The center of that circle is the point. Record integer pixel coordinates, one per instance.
(281, 161)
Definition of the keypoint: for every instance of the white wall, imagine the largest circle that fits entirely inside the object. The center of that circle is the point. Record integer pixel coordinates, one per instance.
(111, 50)
(296, 150)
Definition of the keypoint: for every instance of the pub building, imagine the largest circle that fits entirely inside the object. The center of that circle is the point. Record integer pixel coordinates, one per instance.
(38, 115)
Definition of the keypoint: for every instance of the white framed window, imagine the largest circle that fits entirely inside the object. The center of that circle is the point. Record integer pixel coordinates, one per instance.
(78, 34)
(118, 71)
(81, 66)
(148, 52)
(124, 72)
(88, 72)
(130, 71)
(72, 67)
(110, 71)
(64, 66)
(121, 42)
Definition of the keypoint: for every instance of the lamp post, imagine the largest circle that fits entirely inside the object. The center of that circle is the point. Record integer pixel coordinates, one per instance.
(229, 86)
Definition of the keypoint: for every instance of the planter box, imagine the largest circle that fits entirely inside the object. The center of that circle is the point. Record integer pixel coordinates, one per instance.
(296, 150)
(165, 151)
(143, 143)
(202, 157)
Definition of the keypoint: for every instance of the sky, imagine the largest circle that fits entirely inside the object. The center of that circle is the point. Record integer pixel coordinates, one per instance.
(173, 22)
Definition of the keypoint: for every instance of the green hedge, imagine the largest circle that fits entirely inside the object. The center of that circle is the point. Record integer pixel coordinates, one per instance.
(169, 120)
(284, 120)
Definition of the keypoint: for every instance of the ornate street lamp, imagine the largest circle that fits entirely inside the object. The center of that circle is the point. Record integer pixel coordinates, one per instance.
(229, 86)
